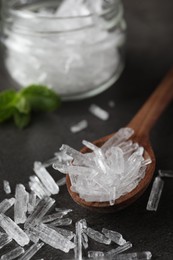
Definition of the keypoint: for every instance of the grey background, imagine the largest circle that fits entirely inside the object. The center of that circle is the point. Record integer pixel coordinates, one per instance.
(149, 56)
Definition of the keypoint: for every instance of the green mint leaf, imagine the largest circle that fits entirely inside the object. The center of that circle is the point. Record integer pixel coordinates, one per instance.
(21, 120)
(22, 104)
(41, 98)
(7, 100)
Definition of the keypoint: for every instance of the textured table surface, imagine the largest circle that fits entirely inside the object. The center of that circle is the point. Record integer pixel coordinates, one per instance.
(149, 56)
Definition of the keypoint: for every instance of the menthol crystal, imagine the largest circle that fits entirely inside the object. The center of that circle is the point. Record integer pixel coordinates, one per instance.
(13, 230)
(108, 172)
(13, 254)
(46, 178)
(21, 204)
(4, 240)
(114, 236)
(31, 251)
(6, 204)
(7, 187)
(97, 236)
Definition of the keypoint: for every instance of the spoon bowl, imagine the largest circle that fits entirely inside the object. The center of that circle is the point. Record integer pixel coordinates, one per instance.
(141, 123)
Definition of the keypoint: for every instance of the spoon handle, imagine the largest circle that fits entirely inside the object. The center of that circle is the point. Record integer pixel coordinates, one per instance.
(146, 117)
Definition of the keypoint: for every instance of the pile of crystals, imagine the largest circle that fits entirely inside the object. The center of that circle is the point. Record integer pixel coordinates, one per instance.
(107, 172)
(32, 223)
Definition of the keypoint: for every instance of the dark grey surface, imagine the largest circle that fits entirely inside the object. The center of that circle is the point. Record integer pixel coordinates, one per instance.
(149, 56)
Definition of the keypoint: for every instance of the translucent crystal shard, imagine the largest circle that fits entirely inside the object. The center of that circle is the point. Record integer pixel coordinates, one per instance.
(13, 253)
(84, 240)
(13, 230)
(79, 126)
(155, 194)
(7, 187)
(31, 251)
(4, 240)
(37, 187)
(32, 236)
(99, 112)
(64, 232)
(166, 173)
(6, 204)
(39, 212)
(114, 236)
(97, 236)
(63, 211)
(21, 204)
(122, 135)
(62, 222)
(46, 178)
(134, 256)
(78, 240)
(118, 250)
(61, 181)
(32, 202)
(52, 217)
(95, 254)
(52, 238)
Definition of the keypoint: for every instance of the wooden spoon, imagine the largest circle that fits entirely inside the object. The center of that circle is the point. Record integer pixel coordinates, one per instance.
(142, 123)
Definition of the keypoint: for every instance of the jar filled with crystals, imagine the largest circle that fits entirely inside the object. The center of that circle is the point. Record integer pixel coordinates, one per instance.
(75, 47)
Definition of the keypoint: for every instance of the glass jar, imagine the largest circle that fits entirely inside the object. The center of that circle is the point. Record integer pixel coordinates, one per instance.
(75, 47)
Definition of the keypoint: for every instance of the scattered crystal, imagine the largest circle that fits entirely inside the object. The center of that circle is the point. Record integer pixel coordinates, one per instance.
(134, 256)
(4, 240)
(52, 217)
(166, 173)
(32, 202)
(32, 236)
(114, 236)
(64, 232)
(63, 211)
(95, 254)
(39, 212)
(13, 253)
(7, 187)
(31, 251)
(111, 103)
(78, 240)
(13, 230)
(97, 236)
(37, 187)
(6, 204)
(79, 126)
(84, 240)
(21, 204)
(61, 181)
(98, 112)
(119, 249)
(155, 194)
(62, 222)
(46, 178)
(52, 238)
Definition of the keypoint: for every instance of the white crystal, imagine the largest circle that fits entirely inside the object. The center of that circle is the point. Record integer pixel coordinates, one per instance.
(114, 236)
(21, 204)
(4, 240)
(64, 232)
(97, 236)
(13, 253)
(99, 112)
(78, 240)
(39, 212)
(61, 181)
(31, 202)
(120, 249)
(52, 217)
(155, 194)
(46, 178)
(13, 230)
(6, 204)
(166, 173)
(31, 251)
(95, 254)
(52, 238)
(146, 255)
(62, 222)
(7, 187)
(37, 187)
(79, 126)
